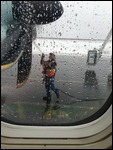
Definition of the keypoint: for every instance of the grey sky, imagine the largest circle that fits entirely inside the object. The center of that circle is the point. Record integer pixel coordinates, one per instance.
(81, 19)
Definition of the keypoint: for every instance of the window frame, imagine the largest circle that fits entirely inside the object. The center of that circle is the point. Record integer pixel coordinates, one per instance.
(79, 131)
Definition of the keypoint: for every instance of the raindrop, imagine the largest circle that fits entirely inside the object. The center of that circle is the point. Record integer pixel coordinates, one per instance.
(59, 34)
(12, 26)
(11, 75)
(30, 82)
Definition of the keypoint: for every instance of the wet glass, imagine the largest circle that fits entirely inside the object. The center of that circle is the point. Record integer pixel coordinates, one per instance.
(74, 32)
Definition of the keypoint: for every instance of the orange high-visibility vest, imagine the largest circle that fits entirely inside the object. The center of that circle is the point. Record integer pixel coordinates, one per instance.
(51, 72)
(50, 68)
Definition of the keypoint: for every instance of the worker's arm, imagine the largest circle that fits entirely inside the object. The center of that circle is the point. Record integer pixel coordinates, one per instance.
(42, 59)
(43, 62)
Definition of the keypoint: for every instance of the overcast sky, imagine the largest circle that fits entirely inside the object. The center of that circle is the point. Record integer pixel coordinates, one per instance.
(81, 19)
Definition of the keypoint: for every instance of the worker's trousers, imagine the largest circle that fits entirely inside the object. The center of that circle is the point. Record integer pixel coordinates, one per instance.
(49, 85)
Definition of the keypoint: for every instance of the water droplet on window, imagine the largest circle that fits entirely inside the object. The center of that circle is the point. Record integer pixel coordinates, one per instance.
(59, 34)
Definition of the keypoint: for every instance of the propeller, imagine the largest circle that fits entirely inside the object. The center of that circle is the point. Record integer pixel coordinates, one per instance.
(17, 45)
(37, 12)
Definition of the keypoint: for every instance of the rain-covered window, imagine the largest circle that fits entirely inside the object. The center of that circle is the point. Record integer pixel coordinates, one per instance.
(56, 61)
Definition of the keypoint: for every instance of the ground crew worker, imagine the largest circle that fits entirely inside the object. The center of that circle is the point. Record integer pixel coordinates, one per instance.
(49, 71)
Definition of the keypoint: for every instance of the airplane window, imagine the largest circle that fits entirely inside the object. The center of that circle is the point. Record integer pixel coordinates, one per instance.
(56, 64)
